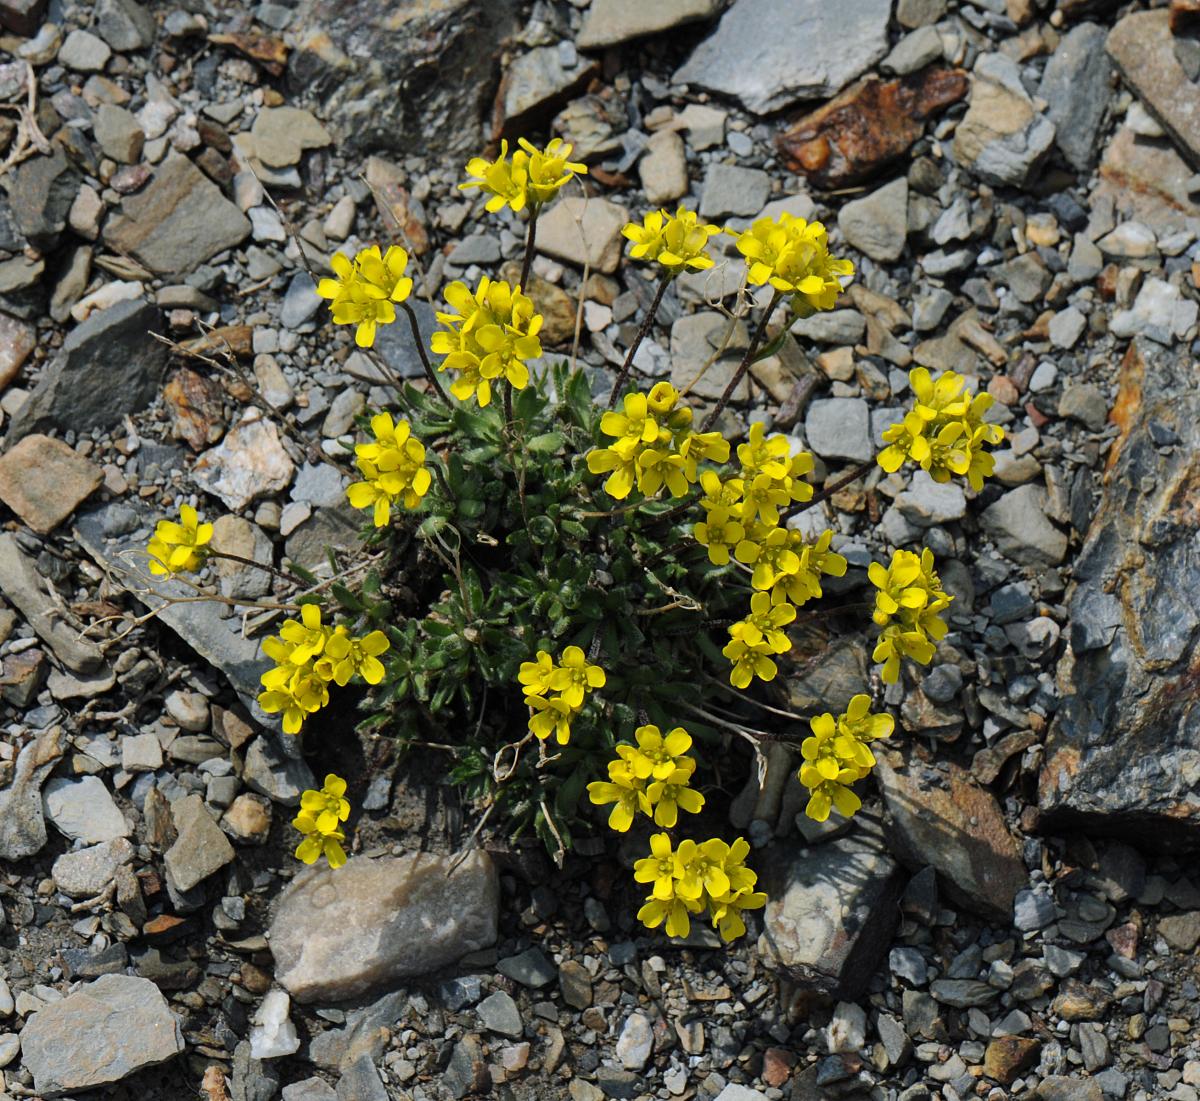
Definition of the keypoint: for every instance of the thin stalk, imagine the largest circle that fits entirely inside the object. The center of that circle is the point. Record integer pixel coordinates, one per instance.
(755, 340)
(832, 488)
(637, 340)
(430, 373)
(530, 239)
(283, 575)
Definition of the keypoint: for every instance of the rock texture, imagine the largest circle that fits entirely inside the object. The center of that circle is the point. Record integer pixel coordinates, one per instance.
(338, 933)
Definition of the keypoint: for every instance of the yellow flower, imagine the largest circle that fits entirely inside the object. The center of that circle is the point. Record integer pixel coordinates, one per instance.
(720, 494)
(574, 677)
(816, 560)
(501, 179)
(306, 636)
(769, 551)
(296, 691)
(700, 868)
(623, 789)
(676, 241)
(673, 911)
(393, 467)
(907, 607)
(179, 547)
(320, 818)
(726, 912)
(672, 794)
(837, 755)
(347, 657)
(749, 660)
(535, 676)
(659, 867)
(550, 715)
(657, 756)
(793, 256)
(720, 533)
(547, 169)
(489, 335)
(764, 623)
(364, 290)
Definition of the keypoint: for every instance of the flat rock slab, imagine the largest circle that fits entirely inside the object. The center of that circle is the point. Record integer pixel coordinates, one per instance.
(282, 134)
(100, 1034)
(83, 810)
(769, 55)
(337, 933)
(608, 22)
(22, 826)
(43, 481)
(943, 819)
(200, 849)
(583, 231)
(248, 463)
(1124, 751)
(831, 909)
(179, 220)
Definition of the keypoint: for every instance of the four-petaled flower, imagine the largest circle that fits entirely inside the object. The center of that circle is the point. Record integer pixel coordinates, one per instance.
(179, 547)
(364, 290)
(676, 242)
(320, 820)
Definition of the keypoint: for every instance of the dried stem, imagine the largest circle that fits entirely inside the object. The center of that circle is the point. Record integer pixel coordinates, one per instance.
(430, 373)
(647, 321)
(283, 575)
(832, 488)
(755, 340)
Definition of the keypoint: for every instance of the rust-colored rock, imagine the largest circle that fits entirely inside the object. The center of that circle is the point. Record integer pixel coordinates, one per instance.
(400, 214)
(1010, 1056)
(270, 52)
(197, 412)
(228, 340)
(1184, 16)
(869, 125)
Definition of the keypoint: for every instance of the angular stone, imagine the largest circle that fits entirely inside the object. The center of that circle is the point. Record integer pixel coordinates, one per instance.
(84, 52)
(535, 84)
(124, 24)
(1002, 139)
(947, 821)
(200, 847)
(102, 1033)
(663, 168)
(83, 873)
(17, 340)
(839, 428)
(608, 22)
(22, 825)
(41, 194)
(282, 134)
(1124, 749)
(868, 126)
(108, 367)
(877, 224)
(83, 810)
(177, 221)
(43, 481)
(1077, 85)
(731, 189)
(1018, 524)
(768, 62)
(119, 134)
(25, 588)
(698, 337)
(583, 231)
(23, 17)
(1146, 180)
(831, 909)
(250, 462)
(1144, 49)
(281, 779)
(338, 933)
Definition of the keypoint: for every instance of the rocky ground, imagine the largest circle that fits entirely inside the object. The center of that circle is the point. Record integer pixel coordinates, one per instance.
(1013, 915)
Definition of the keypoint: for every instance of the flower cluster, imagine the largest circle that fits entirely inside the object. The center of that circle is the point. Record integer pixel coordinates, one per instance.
(555, 693)
(320, 820)
(654, 445)
(309, 656)
(754, 639)
(179, 547)
(710, 876)
(366, 289)
(944, 433)
(489, 335)
(676, 242)
(393, 469)
(532, 178)
(652, 778)
(906, 607)
(793, 256)
(838, 754)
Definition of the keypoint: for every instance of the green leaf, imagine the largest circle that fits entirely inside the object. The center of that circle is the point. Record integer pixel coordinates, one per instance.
(771, 347)
(547, 443)
(347, 599)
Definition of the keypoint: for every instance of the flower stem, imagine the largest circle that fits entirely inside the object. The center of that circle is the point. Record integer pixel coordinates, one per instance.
(647, 321)
(530, 239)
(283, 575)
(853, 475)
(755, 340)
(430, 373)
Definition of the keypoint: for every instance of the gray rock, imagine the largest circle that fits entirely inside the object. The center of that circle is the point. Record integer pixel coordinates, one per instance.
(663, 168)
(877, 224)
(83, 810)
(282, 134)
(1077, 85)
(635, 1045)
(360, 1081)
(734, 1092)
(124, 24)
(200, 849)
(1159, 312)
(536, 82)
(914, 51)
(103, 1032)
(1058, 1087)
(84, 52)
(1026, 276)
(1086, 260)
(530, 968)
(831, 327)
(608, 22)
(731, 190)
(119, 134)
(22, 826)
(299, 303)
(310, 1089)
(963, 993)
(41, 194)
(1085, 403)
(945, 821)
(839, 428)
(831, 909)
(479, 248)
(919, 13)
(1001, 138)
(336, 933)
(83, 873)
(1018, 524)
(280, 778)
(908, 964)
(927, 502)
(1123, 746)
(698, 337)
(584, 231)
(177, 221)
(352, 55)
(1066, 327)
(768, 60)
(395, 342)
(108, 367)
(1033, 909)
(249, 463)
(499, 1013)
